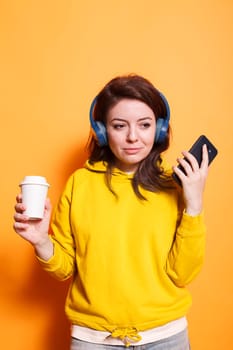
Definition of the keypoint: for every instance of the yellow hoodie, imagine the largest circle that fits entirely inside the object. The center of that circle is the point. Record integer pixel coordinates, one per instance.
(130, 259)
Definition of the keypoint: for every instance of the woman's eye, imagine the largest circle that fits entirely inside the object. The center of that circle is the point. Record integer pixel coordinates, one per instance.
(118, 126)
(145, 125)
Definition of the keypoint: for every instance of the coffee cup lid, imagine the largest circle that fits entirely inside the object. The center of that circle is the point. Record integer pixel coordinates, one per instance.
(30, 180)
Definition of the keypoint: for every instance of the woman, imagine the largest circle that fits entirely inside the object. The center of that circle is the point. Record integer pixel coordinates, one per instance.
(130, 238)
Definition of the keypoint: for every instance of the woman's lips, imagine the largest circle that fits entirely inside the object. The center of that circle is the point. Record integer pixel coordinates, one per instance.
(131, 150)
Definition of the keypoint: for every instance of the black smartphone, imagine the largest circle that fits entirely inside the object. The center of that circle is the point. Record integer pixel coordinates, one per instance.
(196, 151)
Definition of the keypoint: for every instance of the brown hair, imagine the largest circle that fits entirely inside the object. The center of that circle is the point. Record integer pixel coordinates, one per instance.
(149, 175)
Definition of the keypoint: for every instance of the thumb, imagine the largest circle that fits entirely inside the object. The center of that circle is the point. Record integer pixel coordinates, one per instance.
(48, 206)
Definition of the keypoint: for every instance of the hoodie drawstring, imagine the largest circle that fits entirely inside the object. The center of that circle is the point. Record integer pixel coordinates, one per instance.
(126, 335)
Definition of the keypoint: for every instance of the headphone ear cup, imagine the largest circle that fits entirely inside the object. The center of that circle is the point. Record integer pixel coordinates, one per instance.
(162, 124)
(98, 127)
(100, 133)
(161, 130)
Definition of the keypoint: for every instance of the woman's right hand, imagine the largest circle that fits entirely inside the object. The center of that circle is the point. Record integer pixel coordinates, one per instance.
(34, 231)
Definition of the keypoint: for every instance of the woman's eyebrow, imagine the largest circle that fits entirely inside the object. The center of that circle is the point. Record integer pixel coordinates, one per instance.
(125, 120)
(144, 118)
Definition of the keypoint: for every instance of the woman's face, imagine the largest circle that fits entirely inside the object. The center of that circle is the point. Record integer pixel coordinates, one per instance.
(131, 127)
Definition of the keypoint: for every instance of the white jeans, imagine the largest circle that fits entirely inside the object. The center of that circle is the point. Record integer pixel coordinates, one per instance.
(178, 341)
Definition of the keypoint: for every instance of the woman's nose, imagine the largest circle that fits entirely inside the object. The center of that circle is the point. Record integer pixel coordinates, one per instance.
(132, 135)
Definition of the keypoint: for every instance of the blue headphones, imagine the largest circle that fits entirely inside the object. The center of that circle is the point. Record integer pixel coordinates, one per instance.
(101, 134)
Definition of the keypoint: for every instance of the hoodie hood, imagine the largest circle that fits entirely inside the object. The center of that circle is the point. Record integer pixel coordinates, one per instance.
(101, 167)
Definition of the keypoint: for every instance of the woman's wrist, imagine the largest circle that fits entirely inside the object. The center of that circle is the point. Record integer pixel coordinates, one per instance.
(194, 207)
(193, 210)
(44, 249)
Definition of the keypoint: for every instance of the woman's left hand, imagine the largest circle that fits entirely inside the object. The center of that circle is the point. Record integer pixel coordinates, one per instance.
(193, 180)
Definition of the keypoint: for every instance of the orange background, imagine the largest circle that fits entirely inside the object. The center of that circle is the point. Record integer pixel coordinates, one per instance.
(55, 56)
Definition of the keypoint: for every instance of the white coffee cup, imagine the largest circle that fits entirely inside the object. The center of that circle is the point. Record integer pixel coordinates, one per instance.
(34, 192)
